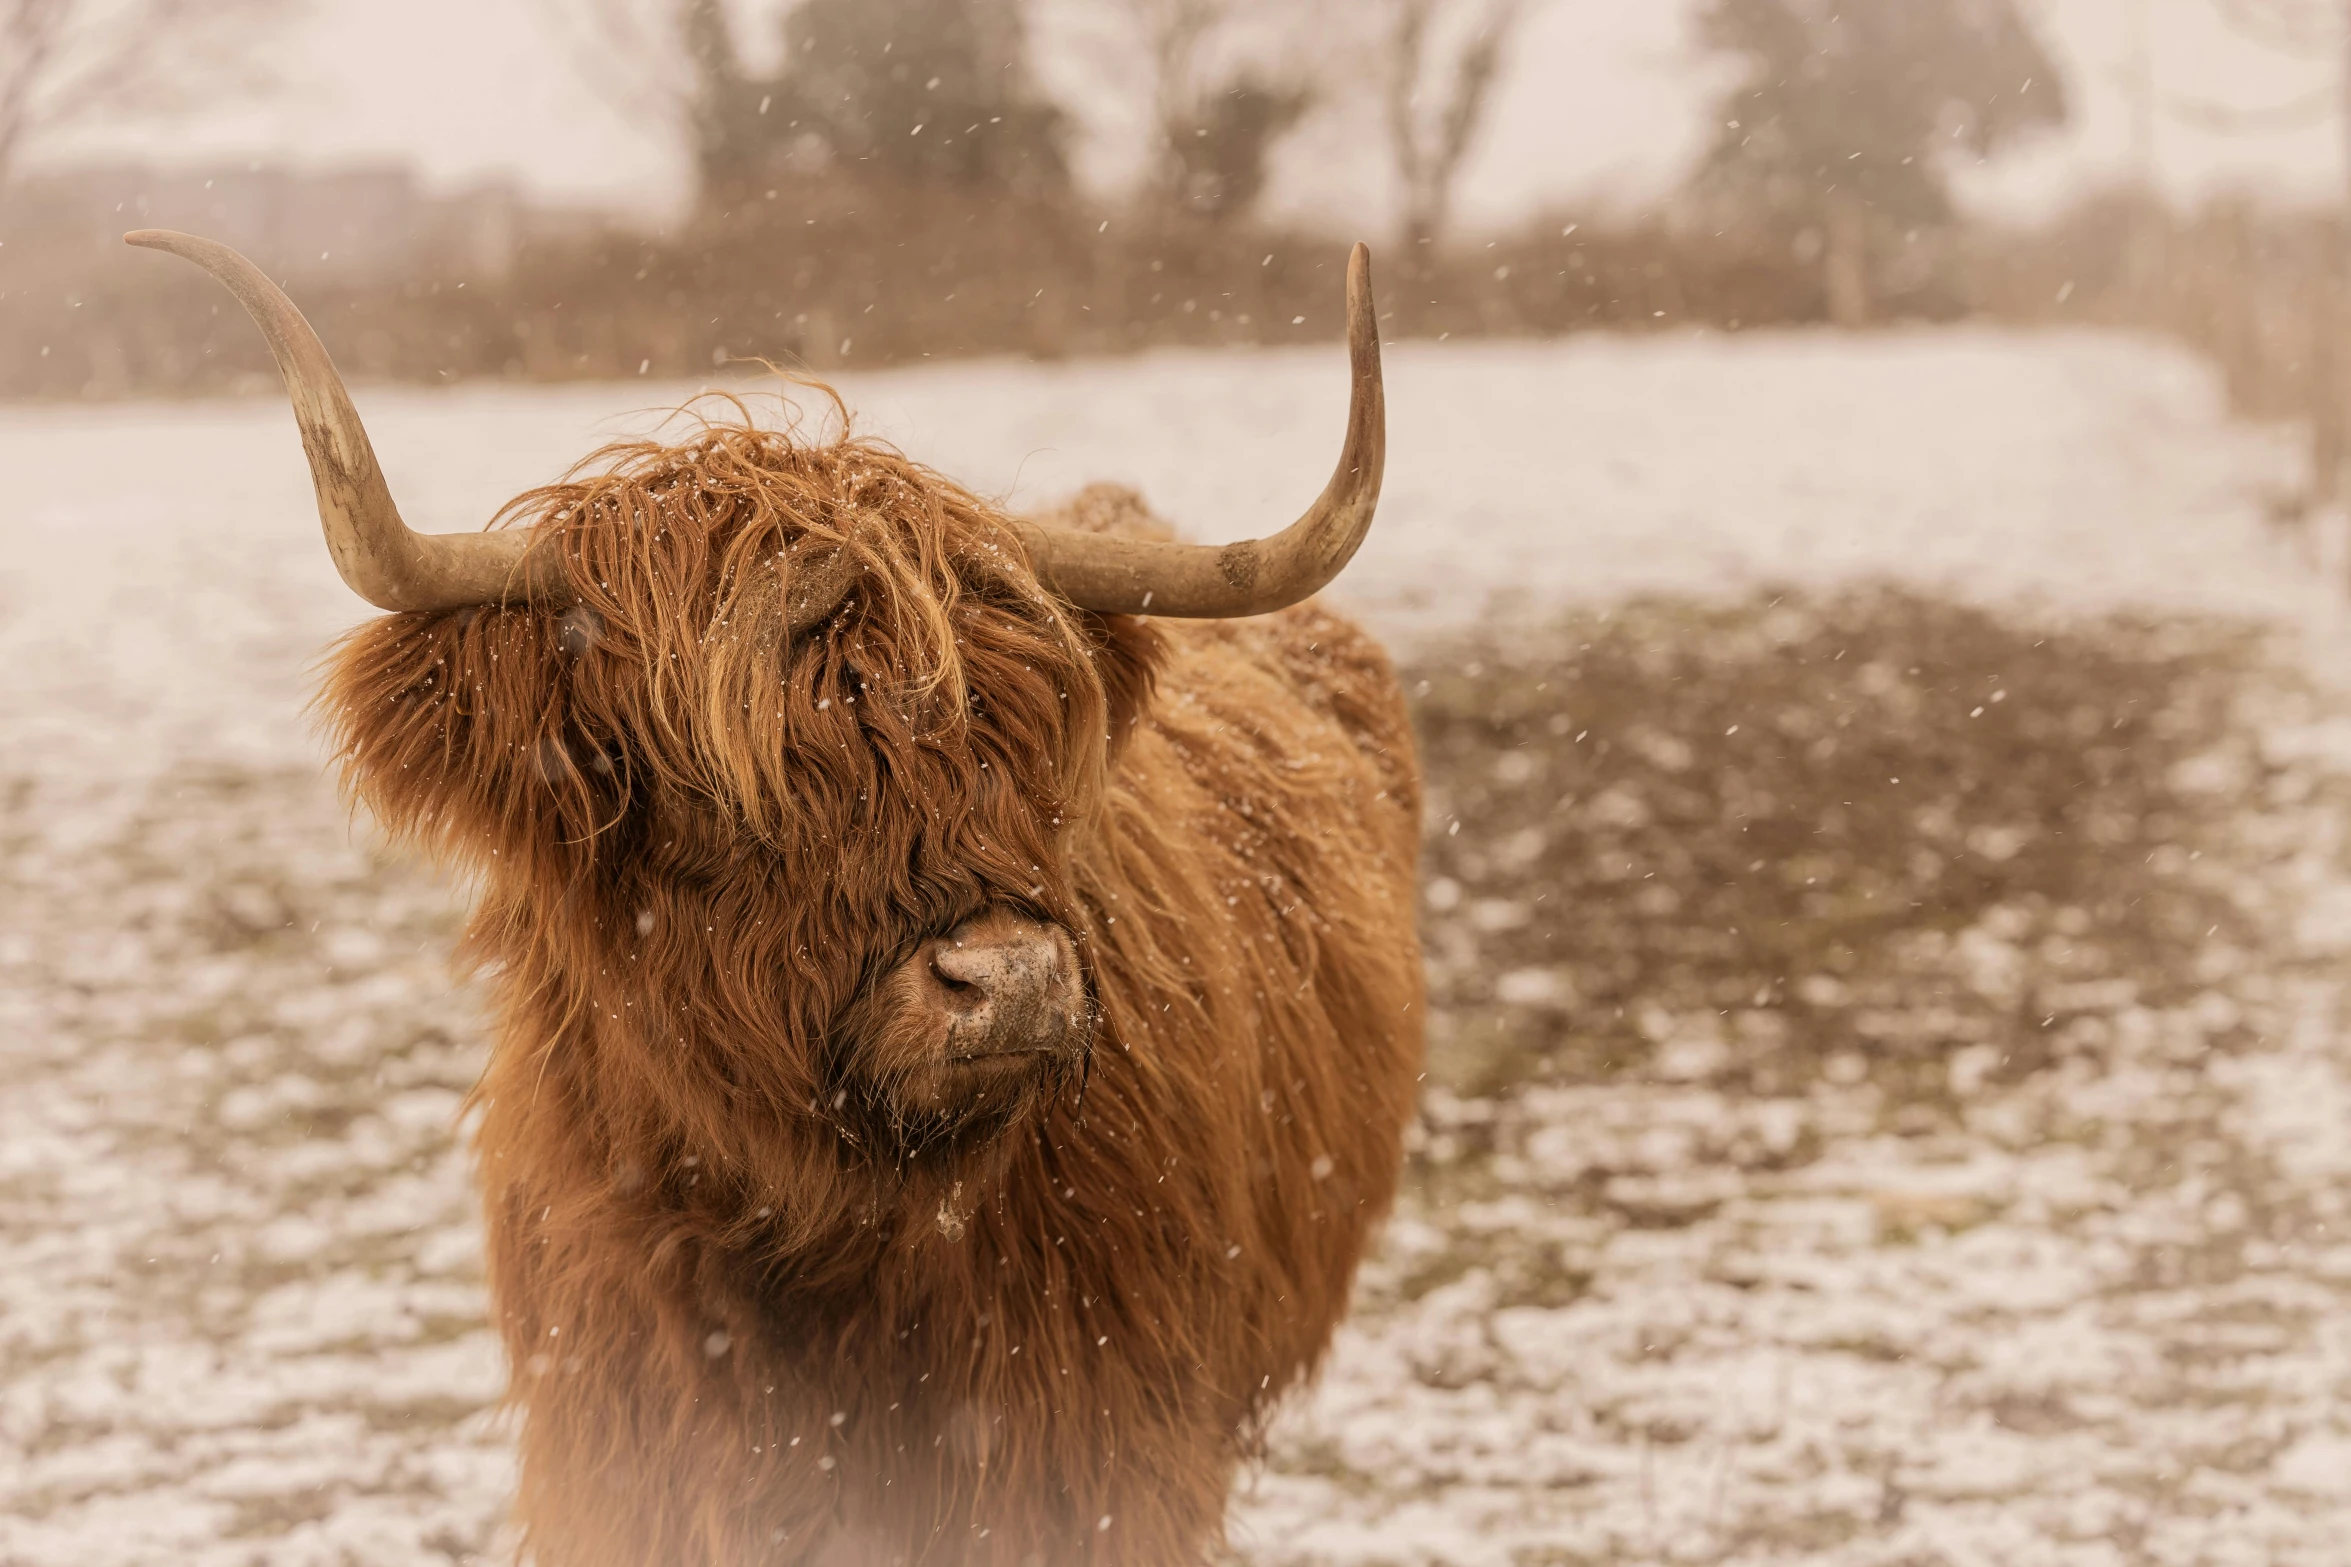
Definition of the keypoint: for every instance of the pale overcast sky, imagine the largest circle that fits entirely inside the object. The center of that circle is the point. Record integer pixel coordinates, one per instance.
(1604, 100)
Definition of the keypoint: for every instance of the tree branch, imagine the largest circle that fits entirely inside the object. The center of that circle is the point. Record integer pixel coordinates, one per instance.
(2298, 27)
(63, 60)
(29, 31)
(1430, 149)
(2313, 108)
(631, 53)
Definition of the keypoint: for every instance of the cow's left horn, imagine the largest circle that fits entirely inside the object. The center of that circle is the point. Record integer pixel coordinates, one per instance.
(1126, 576)
(383, 561)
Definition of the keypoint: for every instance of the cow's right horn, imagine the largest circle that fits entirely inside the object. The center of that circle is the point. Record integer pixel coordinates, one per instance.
(382, 560)
(1128, 576)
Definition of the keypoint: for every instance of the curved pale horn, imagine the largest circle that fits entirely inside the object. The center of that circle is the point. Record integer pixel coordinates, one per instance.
(384, 563)
(1125, 576)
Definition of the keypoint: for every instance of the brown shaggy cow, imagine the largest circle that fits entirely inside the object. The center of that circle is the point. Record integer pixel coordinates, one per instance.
(952, 1043)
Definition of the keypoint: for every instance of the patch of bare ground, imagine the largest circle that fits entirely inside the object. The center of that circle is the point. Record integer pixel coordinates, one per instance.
(1887, 1105)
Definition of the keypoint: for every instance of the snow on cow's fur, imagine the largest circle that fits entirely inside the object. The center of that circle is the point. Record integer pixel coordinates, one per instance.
(763, 1302)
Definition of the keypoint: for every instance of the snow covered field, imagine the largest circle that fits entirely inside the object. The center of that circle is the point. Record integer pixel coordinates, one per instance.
(239, 1295)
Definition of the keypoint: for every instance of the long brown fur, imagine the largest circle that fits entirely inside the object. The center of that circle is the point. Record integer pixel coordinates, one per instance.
(745, 1323)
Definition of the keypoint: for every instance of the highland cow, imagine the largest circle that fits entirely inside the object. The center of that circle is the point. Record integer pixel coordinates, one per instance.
(957, 995)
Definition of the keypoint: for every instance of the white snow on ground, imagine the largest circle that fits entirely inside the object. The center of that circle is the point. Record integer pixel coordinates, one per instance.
(240, 1309)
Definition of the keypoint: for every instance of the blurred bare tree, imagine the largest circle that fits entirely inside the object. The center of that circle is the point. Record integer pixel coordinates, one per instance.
(68, 61)
(922, 90)
(1444, 58)
(2318, 31)
(1843, 111)
(2314, 30)
(2306, 27)
(901, 90)
(1218, 106)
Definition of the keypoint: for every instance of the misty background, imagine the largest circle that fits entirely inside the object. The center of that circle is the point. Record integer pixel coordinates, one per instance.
(565, 189)
(1861, 541)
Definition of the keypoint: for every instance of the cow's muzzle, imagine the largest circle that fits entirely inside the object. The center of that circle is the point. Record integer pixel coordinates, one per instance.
(970, 1032)
(1000, 985)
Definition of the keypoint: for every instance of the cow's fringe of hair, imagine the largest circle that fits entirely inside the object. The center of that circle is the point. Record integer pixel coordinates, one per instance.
(699, 544)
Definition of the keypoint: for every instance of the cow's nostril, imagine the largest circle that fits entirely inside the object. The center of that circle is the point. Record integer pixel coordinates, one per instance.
(975, 968)
(944, 971)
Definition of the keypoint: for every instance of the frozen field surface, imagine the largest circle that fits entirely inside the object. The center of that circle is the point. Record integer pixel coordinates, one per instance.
(2098, 1318)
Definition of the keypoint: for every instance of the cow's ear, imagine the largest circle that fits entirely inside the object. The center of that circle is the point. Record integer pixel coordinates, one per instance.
(459, 731)
(1128, 650)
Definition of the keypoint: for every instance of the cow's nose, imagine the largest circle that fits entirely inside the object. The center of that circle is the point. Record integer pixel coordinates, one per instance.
(1006, 985)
